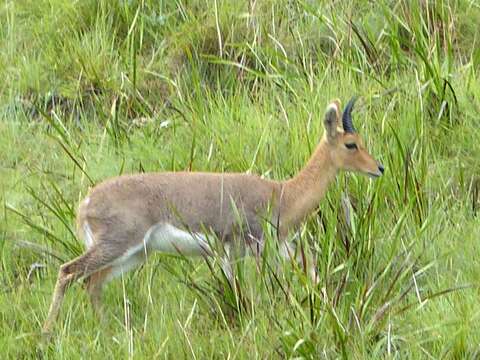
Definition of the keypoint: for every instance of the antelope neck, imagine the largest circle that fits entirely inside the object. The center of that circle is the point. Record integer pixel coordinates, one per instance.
(302, 193)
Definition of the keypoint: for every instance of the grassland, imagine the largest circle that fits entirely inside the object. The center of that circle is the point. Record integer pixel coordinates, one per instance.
(92, 89)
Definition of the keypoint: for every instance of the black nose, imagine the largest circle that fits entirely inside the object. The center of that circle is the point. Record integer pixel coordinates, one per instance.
(381, 168)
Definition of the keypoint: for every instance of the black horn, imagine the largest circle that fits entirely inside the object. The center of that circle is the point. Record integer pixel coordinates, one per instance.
(347, 116)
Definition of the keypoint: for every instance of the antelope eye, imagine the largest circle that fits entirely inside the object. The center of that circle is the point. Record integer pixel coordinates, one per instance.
(351, 146)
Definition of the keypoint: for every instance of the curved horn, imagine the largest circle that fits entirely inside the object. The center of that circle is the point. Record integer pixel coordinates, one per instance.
(347, 116)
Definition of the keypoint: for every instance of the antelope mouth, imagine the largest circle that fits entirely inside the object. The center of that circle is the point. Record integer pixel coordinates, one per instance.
(373, 175)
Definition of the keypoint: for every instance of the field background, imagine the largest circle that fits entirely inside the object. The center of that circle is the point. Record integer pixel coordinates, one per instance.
(91, 89)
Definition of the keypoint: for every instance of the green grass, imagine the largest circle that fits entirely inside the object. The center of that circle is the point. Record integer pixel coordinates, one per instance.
(94, 89)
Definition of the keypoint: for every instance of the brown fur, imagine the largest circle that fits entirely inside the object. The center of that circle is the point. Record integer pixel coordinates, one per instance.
(121, 210)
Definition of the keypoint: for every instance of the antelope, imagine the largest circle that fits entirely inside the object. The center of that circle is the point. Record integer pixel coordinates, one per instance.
(125, 218)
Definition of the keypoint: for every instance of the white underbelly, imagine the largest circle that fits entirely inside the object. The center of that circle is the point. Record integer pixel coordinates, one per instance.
(169, 239)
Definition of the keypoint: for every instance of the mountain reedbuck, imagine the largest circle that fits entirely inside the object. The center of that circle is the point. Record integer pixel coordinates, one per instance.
(125, 218)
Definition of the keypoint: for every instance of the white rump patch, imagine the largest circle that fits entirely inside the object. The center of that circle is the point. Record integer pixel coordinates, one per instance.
(169, 239)
(87, 235)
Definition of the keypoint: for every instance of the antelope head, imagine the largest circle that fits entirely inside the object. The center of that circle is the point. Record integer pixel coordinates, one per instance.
(346, 147)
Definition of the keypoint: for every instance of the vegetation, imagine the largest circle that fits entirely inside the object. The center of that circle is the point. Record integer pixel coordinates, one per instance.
(92, 89)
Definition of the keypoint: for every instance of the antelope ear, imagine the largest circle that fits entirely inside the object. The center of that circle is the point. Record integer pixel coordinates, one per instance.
(339, 115)
(332, 119)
